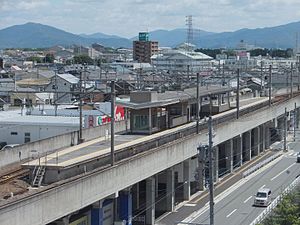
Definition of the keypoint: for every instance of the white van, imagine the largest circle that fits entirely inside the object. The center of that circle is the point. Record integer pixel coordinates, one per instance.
(263, 197)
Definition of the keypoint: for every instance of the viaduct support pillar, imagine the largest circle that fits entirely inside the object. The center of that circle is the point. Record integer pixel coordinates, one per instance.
(186, 180)
(267, 136)
(262, 138)
(246, 146)
(97, 213)
(255, 142)
(216, 163)
(125, 207)
(280, 128)
(240, 149)
(229, 155)
(150, 201)
(201, 174)
(170, 197)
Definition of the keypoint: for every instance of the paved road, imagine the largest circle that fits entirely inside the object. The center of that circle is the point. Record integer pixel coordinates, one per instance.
(236, 207)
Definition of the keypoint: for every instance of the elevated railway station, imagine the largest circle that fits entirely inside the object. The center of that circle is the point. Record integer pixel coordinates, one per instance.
(152, 172)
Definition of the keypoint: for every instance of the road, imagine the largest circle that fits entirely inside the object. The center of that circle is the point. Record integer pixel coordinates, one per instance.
(235, 205)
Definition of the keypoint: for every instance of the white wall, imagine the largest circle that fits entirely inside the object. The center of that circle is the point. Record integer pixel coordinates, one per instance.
(51, 144)
(37, 132)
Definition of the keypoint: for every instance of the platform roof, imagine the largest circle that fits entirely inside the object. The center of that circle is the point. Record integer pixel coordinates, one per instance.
(173, 97)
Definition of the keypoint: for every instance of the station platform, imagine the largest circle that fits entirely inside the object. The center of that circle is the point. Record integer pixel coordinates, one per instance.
(83, 152)
(96, 153)
(101, 146)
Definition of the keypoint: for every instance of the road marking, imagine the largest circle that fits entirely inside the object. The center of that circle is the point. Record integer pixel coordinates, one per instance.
(228, 191)
(262, 186)
(189, 204)
(231, 213)
(248, 199)
(291, 154)
(282, 172)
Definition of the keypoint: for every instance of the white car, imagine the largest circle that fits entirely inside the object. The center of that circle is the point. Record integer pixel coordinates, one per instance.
(262, 197)
(8, 147)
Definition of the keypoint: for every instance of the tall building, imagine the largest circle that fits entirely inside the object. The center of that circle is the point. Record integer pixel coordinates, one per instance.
(143, 49)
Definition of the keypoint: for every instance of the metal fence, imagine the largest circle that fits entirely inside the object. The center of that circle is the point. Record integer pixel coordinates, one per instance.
(277, 200)
(260, 165)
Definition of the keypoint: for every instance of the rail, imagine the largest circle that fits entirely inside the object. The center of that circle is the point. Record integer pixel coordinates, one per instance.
(13, 175)
(174, 134)
(277, 200)
(184, 131)
(133, 151)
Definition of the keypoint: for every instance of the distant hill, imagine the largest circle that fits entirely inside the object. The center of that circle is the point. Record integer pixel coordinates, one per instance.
(283, 36)
(171, 38)
(99, 36)
(35, 35)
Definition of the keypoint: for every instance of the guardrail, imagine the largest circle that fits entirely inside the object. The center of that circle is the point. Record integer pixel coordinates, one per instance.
(277, 200)
(260, 165)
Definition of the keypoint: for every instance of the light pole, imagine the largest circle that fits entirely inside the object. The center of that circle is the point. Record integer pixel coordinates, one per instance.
(238, 95)
(112, 123)
(211, 175)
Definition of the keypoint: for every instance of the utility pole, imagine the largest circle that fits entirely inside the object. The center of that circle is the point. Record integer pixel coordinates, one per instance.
(198, 103)
(261, 78)
(270, 85)
(223, 75)
(56, 93)
(292, 67)
(238, 95)
(297, 71)
(295, 120)
(112, 123)
(80, 109)
(285, 130)
(211, 175)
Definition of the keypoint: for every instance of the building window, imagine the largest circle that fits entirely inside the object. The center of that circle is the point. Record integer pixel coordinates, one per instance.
(27, 137)
(13, 133)
(141, 122)
(17, 102)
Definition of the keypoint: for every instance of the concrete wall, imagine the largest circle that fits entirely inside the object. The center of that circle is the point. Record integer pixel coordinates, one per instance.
(44, 146)
(55, 202)
(180, 120)
(15, 134)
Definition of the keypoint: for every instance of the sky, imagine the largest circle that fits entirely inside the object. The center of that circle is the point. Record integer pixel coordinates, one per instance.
(127, 17)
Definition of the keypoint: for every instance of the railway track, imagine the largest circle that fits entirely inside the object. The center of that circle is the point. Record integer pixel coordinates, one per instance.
(21, 172)
(16, 174)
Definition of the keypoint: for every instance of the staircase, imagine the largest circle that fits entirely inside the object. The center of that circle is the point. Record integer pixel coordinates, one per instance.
(38, 174)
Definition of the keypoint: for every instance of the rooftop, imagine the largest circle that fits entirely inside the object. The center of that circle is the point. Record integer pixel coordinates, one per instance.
(173, 97)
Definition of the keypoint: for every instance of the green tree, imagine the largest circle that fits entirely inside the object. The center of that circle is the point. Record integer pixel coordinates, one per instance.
(287, 212)
(81, 59)
(49, 58)
(34, 59)
(258, 52)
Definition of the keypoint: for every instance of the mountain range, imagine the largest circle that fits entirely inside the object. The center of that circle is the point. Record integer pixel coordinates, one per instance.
(35, 35)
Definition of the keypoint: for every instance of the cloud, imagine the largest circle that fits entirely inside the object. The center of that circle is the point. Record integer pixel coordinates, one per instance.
(128, 17)
(11, 5)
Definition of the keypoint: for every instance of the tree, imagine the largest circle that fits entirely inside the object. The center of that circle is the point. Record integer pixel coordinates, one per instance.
(81, 59)
(287, 212)
(34, 59)
(49, 58)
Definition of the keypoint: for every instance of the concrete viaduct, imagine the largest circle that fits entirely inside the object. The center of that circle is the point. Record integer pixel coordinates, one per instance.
(140, 181)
